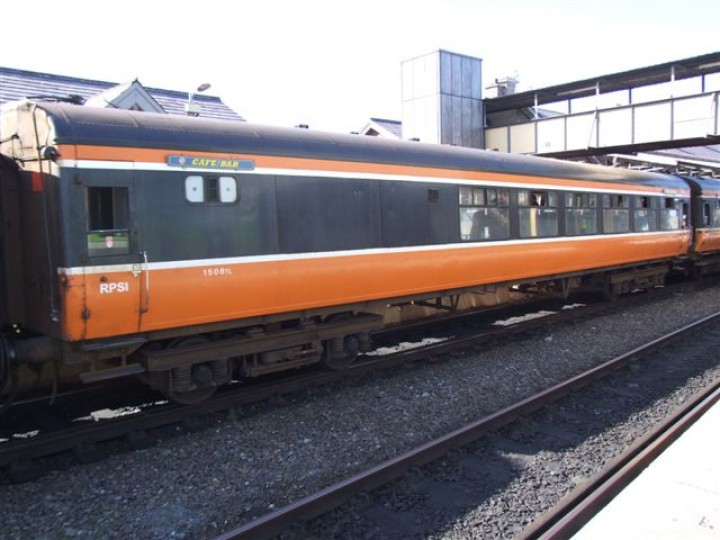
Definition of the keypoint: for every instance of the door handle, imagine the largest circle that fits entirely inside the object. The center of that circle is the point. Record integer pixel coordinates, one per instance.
(145, 304)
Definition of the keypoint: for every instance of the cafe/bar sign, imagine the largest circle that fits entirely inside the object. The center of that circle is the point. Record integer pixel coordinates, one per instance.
(207, 162)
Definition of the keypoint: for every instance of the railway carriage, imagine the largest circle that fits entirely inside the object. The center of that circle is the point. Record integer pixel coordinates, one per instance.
(187, 250)
(705, 213)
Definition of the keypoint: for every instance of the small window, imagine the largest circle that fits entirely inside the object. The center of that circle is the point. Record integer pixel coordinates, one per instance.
(194, 189)
(107, 220)
(433, 195)
(222, 189)
(616, 201)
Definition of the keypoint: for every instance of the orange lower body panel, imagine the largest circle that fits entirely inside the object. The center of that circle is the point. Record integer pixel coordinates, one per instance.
(100, 305)
(707, 240)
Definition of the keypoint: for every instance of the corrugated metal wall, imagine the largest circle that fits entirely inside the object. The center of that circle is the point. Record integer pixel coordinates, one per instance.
(442, 99)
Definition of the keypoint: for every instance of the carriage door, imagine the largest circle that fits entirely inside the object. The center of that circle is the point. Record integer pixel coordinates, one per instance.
(115, 276)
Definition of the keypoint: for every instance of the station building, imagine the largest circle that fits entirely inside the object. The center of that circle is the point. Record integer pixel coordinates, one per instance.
(664, 117)
(18, 84)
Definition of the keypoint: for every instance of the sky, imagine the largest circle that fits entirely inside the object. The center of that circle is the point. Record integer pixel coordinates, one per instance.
(334, 64)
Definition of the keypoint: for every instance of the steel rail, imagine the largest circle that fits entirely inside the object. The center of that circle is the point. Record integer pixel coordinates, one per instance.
(331, 497)
(50, 443)
(583, 503)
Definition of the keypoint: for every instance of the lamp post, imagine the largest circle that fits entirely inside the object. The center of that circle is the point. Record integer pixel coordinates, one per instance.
(192, 108)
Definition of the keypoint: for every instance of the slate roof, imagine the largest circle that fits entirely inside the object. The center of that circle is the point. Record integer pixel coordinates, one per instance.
(19, 84)
(383, 127)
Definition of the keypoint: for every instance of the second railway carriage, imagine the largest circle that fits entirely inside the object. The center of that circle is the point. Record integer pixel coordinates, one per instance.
(705, 224)
(183, 249)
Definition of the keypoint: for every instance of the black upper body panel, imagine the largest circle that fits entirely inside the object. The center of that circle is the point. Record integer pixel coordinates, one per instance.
(114, 127)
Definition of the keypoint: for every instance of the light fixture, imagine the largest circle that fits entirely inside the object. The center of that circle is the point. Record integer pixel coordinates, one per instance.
(192, 108)
(711, 65)
(577, 91)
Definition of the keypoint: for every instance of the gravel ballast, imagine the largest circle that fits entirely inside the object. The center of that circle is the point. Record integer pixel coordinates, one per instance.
(200, 484)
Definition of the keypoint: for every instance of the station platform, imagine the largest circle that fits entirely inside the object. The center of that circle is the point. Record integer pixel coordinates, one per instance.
(676, 497)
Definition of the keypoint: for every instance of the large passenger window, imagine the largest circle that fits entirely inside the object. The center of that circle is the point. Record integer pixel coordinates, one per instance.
(711, 213)
(484, 214)
(645, 214)
(580, 213)
(616, 214)
(670, 215)
(107, 220)
(538, 213)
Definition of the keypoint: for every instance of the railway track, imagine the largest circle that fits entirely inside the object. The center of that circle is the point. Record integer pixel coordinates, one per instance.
(582, 504)
(398, 498)
(133, 423)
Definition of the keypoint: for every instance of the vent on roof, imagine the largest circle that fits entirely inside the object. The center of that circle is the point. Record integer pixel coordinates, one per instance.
(70, 98)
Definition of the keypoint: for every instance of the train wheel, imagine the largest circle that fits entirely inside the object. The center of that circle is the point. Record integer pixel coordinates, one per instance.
(192, 384)
(340, 353)
(191, 397)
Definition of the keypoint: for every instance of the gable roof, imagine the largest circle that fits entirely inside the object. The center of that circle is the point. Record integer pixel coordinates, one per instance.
(130, 95)
(383, 128)
(16, 84)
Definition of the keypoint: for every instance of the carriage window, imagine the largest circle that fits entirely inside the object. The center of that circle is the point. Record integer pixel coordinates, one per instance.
(484, 214)
(538, 213)
(222, 189)
(714, 210)
(706, 216)
(581, 213)
(616, 213)
(645, 214)
(194, 189)
(670, 215)
(107, 220)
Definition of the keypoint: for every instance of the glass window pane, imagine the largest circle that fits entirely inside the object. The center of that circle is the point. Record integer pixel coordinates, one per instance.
(706, 215)
(538, 198)
(228, 189)
(479, 197)
(492, 197)
(194, 189)
(523, 198)
(107, 208)
(503, 197)
(466, 196)
(107, 221)
(538, 222)
(645, 220)
(669, 219)
(616, 220)
(716, 215)
(484, 223)
(467, 229)
(580, 221)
